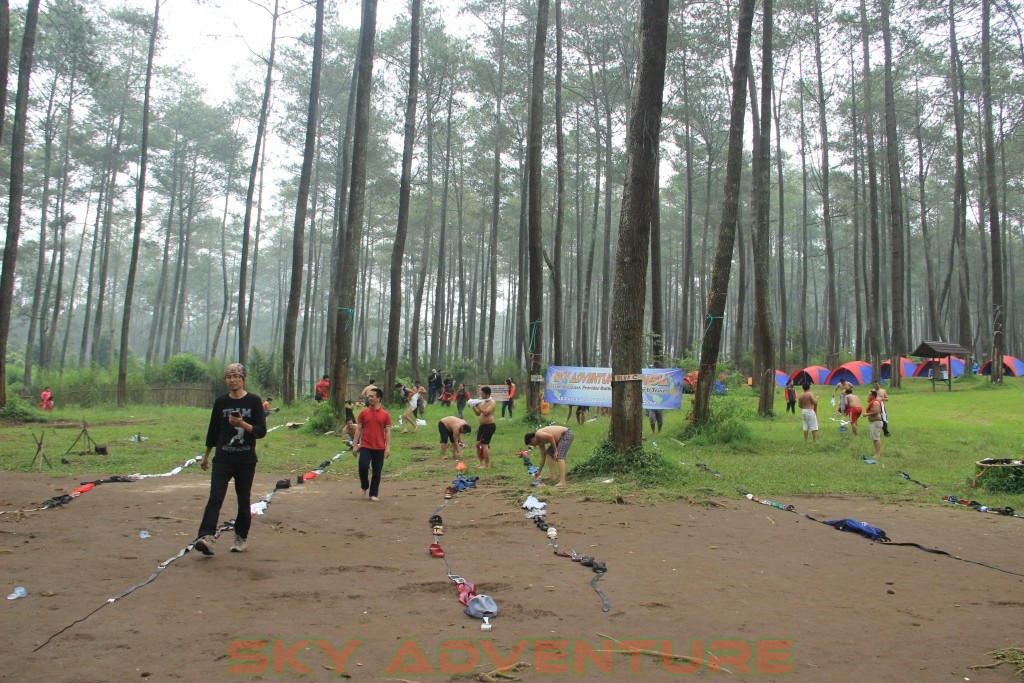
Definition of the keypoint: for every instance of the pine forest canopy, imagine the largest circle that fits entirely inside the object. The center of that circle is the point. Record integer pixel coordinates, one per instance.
(832, 246)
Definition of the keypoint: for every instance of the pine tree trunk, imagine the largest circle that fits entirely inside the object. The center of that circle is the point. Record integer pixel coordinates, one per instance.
(874, 315)
(140, 193)
(642, 142)
(998, 312)
(722, 264)
(261, 127)
(831, 303)
(404, 192)
(535, 330)
(299, 225)
(557, 298)
(764, 342)
(898, 346)
(357, 199)
(17, 184)
(34, 322)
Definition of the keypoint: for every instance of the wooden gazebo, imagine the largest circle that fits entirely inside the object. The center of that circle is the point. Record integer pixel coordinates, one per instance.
(937, 349)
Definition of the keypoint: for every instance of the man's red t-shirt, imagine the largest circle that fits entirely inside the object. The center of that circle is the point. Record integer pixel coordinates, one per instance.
(323, 388)
(374, 422)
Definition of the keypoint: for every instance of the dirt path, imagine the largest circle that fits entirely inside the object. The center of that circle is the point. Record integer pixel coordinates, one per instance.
(325, 565)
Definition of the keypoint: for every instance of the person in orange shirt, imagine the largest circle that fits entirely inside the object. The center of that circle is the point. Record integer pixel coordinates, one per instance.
(508, 403)
(322, 389)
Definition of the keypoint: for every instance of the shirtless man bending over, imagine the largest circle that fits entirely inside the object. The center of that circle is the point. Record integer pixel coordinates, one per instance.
(553, 442)
(451, 429)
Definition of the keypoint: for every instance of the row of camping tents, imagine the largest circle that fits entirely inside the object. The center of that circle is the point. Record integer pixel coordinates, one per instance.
(859, 372)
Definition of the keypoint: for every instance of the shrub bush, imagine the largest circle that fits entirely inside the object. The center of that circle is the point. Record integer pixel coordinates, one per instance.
(508, 367)
(20, 410)
(728, 424)
(464, 370)
(323, 418)
(184, 368)
(646, 465)
(262, 372)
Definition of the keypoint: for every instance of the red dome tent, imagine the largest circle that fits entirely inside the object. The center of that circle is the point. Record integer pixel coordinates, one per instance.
(907, 368)
(812, 374)
(856, 372)
(781, 378)
(1011, 366)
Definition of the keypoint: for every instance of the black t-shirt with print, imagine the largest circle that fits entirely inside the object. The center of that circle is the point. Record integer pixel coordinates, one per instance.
(234, 443)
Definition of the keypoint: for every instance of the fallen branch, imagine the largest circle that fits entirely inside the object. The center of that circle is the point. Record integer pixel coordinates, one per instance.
(498, 674)
(1014, 656)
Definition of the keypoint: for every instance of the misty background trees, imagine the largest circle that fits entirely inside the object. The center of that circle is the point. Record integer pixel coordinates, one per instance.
(887, 209)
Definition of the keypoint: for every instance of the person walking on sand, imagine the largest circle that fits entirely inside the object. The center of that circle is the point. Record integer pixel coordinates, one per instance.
(809, 412)
(236, 421)
(451, 429)
(373, 437)
(554, 442)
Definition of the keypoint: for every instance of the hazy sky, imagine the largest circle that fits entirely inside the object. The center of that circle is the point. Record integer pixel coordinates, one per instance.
(215, 39)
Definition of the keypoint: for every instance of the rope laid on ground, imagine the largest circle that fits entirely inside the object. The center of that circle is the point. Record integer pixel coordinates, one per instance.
(86, 486)
(882, 539)
(538, 515)
(255, 509)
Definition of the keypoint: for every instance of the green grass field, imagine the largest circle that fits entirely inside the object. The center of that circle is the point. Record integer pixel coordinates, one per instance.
(937, 438)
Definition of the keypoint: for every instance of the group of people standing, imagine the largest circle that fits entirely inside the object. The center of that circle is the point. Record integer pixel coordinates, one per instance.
(238, 420)
(849, 405)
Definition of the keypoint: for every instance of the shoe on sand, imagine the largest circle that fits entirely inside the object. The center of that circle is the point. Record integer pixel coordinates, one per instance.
(205, 545)
(239, 545)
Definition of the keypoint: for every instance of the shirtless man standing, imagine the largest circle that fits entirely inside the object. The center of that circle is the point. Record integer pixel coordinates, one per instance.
(364, 395)
(485, 411)
(883, 396)
(842, 389)
(853, 409)
(874, 415)
(808, 403)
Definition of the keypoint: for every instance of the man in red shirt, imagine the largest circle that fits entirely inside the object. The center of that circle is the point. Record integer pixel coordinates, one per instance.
(373, 436)
(322, 389)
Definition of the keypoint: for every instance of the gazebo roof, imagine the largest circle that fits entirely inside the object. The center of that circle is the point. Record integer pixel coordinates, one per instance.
(938, 349)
